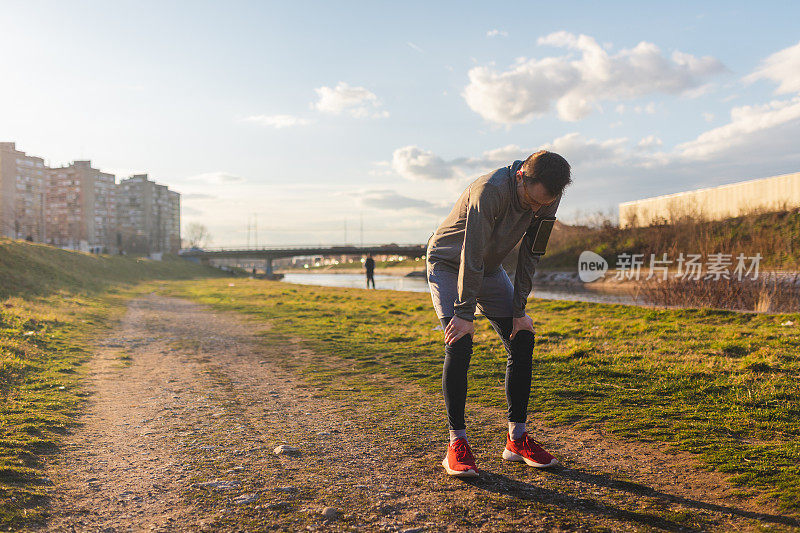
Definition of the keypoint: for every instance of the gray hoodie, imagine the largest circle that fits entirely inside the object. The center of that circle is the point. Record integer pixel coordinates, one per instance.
(485, 225)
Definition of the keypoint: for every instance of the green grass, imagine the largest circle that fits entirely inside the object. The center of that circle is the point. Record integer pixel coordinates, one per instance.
(29, 269)
(52, 302)
(720, 384)
(41, 373)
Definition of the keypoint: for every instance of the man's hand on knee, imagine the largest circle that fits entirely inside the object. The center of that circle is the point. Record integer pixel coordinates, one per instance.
(457, 328)
(522, 323)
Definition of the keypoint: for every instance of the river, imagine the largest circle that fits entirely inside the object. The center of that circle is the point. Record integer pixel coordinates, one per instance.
(400, 283)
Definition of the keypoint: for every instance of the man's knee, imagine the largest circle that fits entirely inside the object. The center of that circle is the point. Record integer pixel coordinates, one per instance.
(524, 339)
(462, 346)
(522, 348)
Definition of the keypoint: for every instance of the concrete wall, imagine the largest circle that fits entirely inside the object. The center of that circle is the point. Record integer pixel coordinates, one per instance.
(716, 203)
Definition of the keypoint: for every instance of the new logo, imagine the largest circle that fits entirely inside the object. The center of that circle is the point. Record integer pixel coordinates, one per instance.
(591, 266)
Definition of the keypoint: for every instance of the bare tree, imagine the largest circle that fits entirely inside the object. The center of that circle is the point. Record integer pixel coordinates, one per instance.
(197, 235)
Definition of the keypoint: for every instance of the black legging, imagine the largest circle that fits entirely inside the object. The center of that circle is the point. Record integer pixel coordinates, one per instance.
(518, 372)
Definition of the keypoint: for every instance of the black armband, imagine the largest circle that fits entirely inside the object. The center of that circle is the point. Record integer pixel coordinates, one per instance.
(539, 232)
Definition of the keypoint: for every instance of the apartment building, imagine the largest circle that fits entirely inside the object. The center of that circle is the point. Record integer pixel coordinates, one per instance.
(23, 184)
(82, 208)
(148, 216)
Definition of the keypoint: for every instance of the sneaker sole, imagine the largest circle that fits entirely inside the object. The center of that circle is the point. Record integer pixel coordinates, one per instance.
(458, 473)
(508, 455)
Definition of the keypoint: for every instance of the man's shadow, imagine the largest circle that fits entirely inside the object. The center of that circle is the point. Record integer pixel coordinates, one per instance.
(502, 484)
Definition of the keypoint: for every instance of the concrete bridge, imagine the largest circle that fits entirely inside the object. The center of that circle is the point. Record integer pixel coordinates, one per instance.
(267, 254)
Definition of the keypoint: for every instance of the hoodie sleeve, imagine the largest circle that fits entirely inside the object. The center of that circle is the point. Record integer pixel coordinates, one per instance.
(483, 208)
(527, 262)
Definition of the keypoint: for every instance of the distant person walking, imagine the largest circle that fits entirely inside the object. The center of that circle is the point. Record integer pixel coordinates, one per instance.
(465, 272)
(369, 266)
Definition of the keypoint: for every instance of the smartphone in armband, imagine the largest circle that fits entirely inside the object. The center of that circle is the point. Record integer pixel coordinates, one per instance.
(540, 231)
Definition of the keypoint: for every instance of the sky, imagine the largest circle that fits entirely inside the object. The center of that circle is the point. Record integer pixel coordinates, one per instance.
(334, 122)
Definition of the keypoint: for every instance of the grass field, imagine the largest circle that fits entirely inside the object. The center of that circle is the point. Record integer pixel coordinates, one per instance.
(720, 384)
(723, 385)
(52, 302)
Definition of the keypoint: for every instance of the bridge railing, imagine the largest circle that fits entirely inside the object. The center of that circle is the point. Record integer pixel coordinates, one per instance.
(332, 249)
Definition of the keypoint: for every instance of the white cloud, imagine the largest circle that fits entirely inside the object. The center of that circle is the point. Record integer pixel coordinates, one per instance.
(771, 128)
(385, 199)
(496, 33)
(355, 101)
(697, 92)
(649, 109)
(414, 163)
(216, 178)
(708, 117)
(580, 151)
(651, 141)
(576, 86)
(782, 67)
(197, 196)
(415, 47)
(277, 121)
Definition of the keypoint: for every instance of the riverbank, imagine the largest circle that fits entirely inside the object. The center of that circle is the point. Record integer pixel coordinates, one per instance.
(390, 271)
(554, 278)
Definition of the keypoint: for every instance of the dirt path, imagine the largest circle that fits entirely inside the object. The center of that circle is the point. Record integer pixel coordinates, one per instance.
(189, 404)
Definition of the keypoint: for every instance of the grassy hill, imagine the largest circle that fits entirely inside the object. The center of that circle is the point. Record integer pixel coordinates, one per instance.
(776, 236)
(28, 269)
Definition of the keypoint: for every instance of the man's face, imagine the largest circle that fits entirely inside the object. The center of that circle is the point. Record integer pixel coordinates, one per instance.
(533, 196)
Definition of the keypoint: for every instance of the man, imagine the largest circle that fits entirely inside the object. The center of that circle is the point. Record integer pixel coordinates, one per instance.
(465, 271)
(369, 266)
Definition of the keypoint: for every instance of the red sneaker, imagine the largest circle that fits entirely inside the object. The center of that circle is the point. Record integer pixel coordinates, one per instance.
(459, 460)
(528, 450)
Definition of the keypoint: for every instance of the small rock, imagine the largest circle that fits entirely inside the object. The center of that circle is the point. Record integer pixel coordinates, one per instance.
(386, 510)
(787, 323)
(218, 485)
(278, 505)
(285, 449)
(413, 530)
(245, 498)
(330, 513)
(323, 433)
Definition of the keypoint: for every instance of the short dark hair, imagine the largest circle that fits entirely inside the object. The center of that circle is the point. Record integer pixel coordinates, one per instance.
(549, 169)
